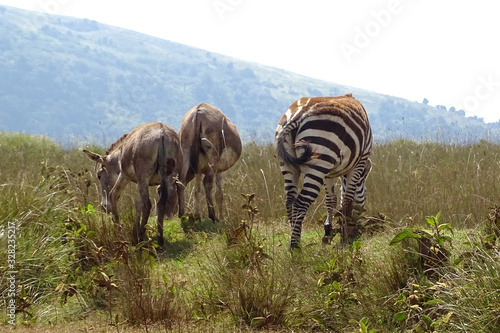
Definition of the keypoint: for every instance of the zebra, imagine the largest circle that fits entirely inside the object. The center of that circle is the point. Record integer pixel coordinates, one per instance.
(323, 138)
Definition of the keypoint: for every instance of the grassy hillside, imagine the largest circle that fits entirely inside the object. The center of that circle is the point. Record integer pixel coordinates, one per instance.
(74, 270)
(75, 79)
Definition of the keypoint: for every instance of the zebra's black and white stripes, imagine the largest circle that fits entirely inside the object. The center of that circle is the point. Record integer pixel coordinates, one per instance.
(323, 138)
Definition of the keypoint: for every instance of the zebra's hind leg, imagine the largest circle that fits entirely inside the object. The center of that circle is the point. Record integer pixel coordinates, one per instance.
(331, 205)
(309, 193)
(299, 209)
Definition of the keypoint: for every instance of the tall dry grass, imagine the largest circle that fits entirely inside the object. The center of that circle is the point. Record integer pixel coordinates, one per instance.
(74, 265)
(415, 180)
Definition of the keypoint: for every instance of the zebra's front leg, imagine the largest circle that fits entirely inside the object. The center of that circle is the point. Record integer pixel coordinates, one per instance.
(353, 191)
(331, 206)
(348, 227)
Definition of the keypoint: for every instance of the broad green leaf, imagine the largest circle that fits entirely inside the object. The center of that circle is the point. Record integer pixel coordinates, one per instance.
(431, 220)
(427, 320)
(152, 262)
(400, 316)
(438, 215)
(331, 264)
(406, 233)
(445, 226)
(337, 285)
(357, 245)
(362, 327)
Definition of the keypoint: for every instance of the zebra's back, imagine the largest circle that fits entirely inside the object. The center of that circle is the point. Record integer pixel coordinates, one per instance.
(331, 133)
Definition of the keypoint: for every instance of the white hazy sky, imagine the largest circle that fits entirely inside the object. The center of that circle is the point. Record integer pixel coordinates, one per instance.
(447, 51)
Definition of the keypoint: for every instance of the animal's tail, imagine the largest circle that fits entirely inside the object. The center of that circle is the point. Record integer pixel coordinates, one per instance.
(195, 148)
(288, 131)
(163, 170)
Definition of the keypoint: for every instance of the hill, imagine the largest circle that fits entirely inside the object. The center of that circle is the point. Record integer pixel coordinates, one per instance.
(76, 79)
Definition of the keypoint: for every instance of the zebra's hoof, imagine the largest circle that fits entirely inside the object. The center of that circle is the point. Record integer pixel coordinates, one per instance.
(327, 240)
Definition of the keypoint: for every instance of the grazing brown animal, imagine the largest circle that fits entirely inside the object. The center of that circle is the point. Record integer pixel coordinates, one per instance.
(149, 155)
(210, 145)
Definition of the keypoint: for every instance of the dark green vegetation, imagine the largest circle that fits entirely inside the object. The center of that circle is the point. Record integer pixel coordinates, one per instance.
(74, 79)
(76, 271)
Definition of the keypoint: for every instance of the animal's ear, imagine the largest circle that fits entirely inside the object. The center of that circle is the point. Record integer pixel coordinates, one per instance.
(93, 156)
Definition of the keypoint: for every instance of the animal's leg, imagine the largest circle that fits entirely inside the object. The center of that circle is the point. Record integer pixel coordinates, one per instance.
(208, 183)
(309, 193)
(331, 205)
(181, 198)
(353, 189)
(143, 209)
(137, 221)
(291, 182)
(360, 196)
(346, 225)
(182, 183)
(160, 212)
(114, 195)
(197, 196)
(219, 195)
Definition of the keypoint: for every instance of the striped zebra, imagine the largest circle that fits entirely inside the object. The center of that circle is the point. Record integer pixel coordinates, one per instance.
(323, 138)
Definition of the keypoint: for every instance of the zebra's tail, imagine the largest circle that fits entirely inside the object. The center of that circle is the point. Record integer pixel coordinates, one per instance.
(288, 131)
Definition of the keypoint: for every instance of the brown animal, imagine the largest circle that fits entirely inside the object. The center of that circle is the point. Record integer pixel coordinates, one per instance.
(149, 155)
(210, 145)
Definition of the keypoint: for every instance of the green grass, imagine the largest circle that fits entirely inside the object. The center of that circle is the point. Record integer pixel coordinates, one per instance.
(76, 270)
